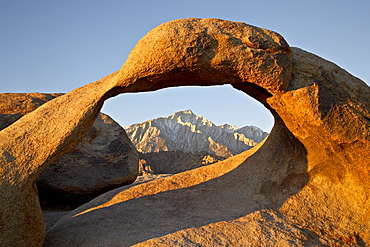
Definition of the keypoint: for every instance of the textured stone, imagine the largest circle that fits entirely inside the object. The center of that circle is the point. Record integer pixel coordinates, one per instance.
(15, 105)
(207, 52)
(33, 142)
(170, 210)
(104, 160)
(307, 184)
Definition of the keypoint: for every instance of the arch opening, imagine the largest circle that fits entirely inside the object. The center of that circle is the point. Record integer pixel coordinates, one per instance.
(181, 128)
(221, 104)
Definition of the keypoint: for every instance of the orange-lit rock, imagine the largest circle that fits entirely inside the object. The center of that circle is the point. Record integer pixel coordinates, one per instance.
(33, 142)
(307, 184)
(76, 177)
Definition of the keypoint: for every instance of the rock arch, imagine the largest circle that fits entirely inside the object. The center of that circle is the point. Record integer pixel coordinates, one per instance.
(316, 156)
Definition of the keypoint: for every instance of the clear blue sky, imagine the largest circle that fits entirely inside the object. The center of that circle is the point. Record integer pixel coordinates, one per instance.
(58, 45)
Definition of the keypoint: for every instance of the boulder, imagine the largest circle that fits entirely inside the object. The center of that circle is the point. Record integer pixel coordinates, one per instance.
(104, 160)
(306, 184)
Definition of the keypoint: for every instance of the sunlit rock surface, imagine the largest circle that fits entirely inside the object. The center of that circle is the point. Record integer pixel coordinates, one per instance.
(33, 142)
(104, 160)
(307, 184)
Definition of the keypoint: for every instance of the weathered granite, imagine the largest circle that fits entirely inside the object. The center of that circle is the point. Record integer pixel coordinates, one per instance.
(104, 160)
(15, 105)
(33, 142)
(308, 184)
(310, 189)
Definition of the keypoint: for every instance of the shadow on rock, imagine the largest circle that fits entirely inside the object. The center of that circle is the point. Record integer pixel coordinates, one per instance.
(257, 179)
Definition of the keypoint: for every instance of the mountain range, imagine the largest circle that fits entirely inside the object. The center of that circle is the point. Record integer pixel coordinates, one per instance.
(188, 132)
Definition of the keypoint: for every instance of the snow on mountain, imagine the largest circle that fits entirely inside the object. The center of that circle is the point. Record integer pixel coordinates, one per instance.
(188, 132)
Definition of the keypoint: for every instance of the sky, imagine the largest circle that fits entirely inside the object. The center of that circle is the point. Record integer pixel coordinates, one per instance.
(55, 46)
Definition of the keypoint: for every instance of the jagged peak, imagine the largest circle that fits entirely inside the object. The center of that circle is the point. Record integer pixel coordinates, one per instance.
(188, 112)
(229, 127)
(190, 119)
(177, 132)
(189, 116)
(184, 112)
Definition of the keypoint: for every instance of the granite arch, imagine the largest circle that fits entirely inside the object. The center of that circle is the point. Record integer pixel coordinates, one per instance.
(313, 101)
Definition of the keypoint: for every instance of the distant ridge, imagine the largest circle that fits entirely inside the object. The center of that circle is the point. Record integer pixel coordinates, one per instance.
(188, 132)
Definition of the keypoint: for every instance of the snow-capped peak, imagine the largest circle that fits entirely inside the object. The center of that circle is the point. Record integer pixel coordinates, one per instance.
(188, 132)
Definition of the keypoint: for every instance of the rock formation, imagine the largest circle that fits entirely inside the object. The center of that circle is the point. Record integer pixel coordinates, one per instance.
(33, 142)
(307, 184)
(104, 160)
(15, 105)
(187, 132)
